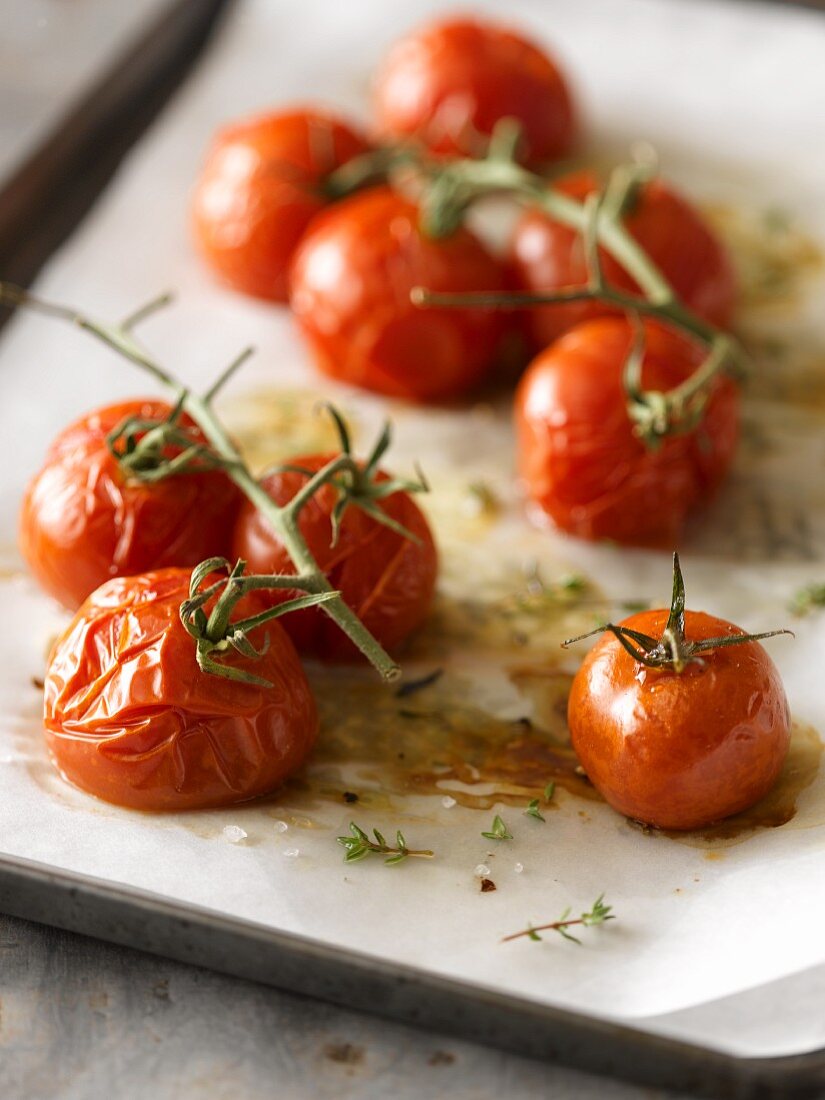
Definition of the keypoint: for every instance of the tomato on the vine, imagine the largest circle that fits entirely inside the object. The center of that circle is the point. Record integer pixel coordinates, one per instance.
(546, 256)
(84, 520)
(582, 465)
(261, 185)
(387, 579)
(131, 718)
(449, 83)
(680, 748)
(350, 292)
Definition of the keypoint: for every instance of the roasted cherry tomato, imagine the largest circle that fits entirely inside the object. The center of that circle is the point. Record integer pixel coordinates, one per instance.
(579, 459)
(83, 520)
(131, 718)
(547, 256)
(260, 187)
(680, 750)
(386, 579)
(351, 282)
(450, 82)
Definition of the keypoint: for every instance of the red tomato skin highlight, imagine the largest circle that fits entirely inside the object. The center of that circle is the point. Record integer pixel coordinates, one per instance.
(450, 82)
(130, 718)
(580, 463)
(82, 522)
(386, 579)
(680, 750)
(351, 282)
(546, 256)
(260, 187)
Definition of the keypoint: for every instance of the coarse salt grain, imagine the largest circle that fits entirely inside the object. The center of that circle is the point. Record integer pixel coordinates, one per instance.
(518, 868)
(292, 853)
(235, 834)
(281, 826)
(481, 871)
(448, 802)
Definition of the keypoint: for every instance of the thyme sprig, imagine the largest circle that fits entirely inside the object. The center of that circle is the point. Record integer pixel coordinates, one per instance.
(309, 578)
(498, 830)
(673, 649)
(600, 913)
(533, 810)
(359, 846)
(807, 599)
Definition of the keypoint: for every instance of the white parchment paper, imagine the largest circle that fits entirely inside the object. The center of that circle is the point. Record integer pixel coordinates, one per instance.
(732, 96)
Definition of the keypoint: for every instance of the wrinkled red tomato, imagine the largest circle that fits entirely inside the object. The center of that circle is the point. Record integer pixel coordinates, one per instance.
(547, 256)
(130, 717)
(680, 750)
(260, 187)
(83, 520)
(386, 579)
(579, 459)
(351, 282)
(450, 82)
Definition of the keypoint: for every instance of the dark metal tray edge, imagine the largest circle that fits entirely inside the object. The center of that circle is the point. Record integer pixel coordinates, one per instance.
(203, 937)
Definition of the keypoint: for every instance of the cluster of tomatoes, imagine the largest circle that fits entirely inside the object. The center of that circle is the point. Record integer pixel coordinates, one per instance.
(679, 719)
(129, 715)
(266, 220)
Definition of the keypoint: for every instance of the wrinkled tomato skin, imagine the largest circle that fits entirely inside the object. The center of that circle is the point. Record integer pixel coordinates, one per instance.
(82, 521)
(547, 256)
(259, 189)
(386, 579)
(351, 283)
(129, 716)
(448, 84)
(580, 463)
(680, 750)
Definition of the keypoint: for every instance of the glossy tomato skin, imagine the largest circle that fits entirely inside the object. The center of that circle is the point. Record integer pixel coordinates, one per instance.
(580, 463)
(547, 256)
(129, 716)
(82, 521)
(351, 283)
(259, 189)
(450, 82)
(387, 580)
(680, 750)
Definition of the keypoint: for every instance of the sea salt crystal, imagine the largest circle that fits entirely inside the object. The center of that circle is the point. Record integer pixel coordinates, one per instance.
(481, 871)
(235, 834)
(291, 853)
(447, 802)
(281, 826)
(518, 868)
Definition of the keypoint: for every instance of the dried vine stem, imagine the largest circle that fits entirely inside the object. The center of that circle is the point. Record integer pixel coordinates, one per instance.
(309, 578)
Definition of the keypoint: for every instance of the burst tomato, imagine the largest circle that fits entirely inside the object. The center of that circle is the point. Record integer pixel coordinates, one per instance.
(680, 750)
(450, 82)
(351, 282)
(83, 520)
(581, 463)
(131, 718)
(258, 190)
(386, 579)
(547, 256)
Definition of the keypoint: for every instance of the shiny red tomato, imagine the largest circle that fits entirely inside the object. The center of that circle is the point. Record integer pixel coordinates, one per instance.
(351, 282)
(260, 187)
(581, 463)
(547, 256)
(680, 750)
(83, 521)
(131, 718)
(386, 579)
(450, 82)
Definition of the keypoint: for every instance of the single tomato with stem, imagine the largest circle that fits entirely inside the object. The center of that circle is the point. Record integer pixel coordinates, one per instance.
(679, 718)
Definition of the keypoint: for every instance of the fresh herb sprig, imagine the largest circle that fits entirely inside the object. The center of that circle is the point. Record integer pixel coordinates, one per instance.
(498, 830)
(533, 810)
(807, 599)
(598, 914)
(359, 846)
